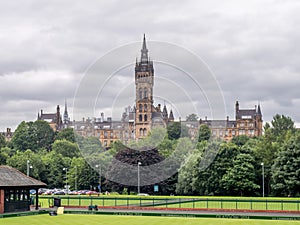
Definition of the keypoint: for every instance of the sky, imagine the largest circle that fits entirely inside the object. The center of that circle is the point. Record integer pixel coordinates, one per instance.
(48, 48)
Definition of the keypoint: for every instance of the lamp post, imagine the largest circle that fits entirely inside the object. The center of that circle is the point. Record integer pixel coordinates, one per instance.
(75, 178)
(263, 179)
(100, 175)
(28, 168)
(66, 169)
(139, 163)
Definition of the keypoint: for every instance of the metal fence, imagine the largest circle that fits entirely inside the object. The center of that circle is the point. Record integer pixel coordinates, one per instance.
(189, 203)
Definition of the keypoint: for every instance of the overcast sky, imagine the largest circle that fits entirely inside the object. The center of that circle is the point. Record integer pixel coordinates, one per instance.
(252, 48)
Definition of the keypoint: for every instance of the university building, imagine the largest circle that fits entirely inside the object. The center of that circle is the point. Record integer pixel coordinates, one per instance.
(137, 121)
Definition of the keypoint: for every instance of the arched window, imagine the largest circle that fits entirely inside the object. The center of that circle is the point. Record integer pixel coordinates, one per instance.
(145, 107)
(145, 118)
(145, 93)
(140, 108)
(140, 118)
(140, 93)
(141, 131)
(145, 131)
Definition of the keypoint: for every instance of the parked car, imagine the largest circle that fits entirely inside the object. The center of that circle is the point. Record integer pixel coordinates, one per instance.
(59, 193)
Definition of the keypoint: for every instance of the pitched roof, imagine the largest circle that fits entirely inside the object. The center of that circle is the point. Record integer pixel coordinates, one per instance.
(11, 177)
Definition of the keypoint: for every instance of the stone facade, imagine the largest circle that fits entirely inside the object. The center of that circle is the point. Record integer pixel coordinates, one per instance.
(137, 121)
(247, 122)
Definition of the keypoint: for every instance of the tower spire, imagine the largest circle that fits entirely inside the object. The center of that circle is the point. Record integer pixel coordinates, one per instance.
(144, 51)
(66, 116)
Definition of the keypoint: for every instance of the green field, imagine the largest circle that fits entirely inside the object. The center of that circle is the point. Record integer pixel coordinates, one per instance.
(129, 220)
(248, 203)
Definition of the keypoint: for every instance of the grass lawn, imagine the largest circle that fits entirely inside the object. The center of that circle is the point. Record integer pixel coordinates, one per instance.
(255, 203)
(132, 220)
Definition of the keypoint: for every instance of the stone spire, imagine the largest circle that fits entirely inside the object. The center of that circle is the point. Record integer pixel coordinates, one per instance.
(144, 52)
(66, 116)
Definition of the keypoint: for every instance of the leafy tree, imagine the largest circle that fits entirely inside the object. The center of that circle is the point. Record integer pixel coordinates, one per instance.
(188, 173)
(204, 133)
(176, 130)
(207, 181)
(192, 117)
(281, 125)
(19, 161)
(240, 140)
(2, 141)
(240, 179)
(286, 170)
(33, 135)
(66, 134)
(66, 148)
(54, 173)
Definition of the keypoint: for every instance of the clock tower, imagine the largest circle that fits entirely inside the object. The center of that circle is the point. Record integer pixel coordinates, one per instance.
(144, 81)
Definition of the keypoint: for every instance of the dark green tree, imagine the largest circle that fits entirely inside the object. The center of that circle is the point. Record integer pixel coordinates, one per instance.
(281, 124)
(2, 141)
(204, 133)
(286, 169)
(33, 135)
(66, 134)
(240, 140)
(192, 117)
(176, 130)
(240, 179)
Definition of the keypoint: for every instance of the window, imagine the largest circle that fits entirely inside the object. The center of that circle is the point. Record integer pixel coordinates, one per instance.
(145, 118)
(214, 133)
(105, 134)
(242, 124)
(145, 107)
(233, 133)
(140, 93)
(145, 131)
(141, 132)
(251, 132)
(140, 118)
(226, 133)
(140, 108)
(145, 93)
(242, 132)
(251, 125)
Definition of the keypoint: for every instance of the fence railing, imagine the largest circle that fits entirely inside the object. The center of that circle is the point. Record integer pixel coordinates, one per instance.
(190, 203)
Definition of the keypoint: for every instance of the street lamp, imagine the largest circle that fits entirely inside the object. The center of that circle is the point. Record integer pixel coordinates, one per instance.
(66, 169)
(139, 163)
(263, 179)
(75, 178)
(100, 175)
(28, 167)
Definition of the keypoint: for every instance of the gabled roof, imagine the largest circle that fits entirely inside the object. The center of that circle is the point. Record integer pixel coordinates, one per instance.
(11, 177)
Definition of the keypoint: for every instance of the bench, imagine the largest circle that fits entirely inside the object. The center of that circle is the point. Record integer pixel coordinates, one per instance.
(93, 207)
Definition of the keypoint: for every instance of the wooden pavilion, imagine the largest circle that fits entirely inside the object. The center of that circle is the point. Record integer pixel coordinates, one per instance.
(14, 190)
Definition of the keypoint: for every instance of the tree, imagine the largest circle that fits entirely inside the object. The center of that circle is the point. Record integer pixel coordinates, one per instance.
(187, 174)
(54, 173)
(192, 117)
(176, 130)
(219, 157)
(33, 135)
(66, 134)
(66, 148)
(2, 141)
(281, 125)
(204, 133)
(19, 161)
(131, 157)
(240, 140)
(240, 179)
(286, 170)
